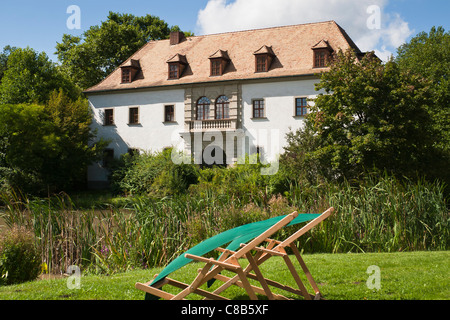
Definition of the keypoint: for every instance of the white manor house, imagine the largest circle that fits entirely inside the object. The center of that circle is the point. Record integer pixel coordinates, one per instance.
(214, 97)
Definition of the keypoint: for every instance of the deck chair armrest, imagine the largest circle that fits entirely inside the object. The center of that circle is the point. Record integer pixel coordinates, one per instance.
(306, 228)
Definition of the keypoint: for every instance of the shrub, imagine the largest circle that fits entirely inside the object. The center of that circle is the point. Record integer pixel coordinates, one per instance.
(153, 174)
(19, 257)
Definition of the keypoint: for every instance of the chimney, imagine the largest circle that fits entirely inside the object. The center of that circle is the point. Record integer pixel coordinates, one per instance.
(176, 37)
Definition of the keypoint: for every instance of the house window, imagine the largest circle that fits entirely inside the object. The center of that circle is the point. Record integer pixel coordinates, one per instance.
(203, 105)
(320, 58)
(126, 75)
(216, 67)
(176, 64)
(222, 108)
(261, 63)
(174, 70)
(133, 116)
(108, 158)
(169, 113)
(109, 117)
(258, 108)
(301, 107)
(219, 61)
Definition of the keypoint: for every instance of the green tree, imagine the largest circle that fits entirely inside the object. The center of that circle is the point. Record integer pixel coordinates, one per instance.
(4, 59)
(101, 49)
(30, 77)
(46, 148)
(27, 139)
(371, 117)
(428, 55)
(76, 145)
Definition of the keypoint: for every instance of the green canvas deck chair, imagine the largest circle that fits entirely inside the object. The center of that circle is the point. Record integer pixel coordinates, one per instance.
(277, 248)
(254, 234)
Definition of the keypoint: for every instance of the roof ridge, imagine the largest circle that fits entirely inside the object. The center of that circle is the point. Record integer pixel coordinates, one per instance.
(347, 38)
(263, 28)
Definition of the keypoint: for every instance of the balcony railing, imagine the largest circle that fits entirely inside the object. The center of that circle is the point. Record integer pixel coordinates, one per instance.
(215, 124)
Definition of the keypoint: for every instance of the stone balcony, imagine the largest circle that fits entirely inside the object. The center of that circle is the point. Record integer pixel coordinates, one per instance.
(212, 125)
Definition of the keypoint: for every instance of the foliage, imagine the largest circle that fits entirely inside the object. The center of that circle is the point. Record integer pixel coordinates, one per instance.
(27, 140)
(4, 59)
(153, 174)
(46, 148)
(371, 117)
(248, 185)
(296, 163)
(382, 214)
(30, 77)
(19, 257)
(77, 147)
(428, 55)
(101, 49)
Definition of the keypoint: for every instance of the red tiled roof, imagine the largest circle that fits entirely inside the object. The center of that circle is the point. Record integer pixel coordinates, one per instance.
(292, 46)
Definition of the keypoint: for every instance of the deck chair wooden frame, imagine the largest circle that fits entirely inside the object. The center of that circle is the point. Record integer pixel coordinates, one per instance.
(277, 248)
(229, 260)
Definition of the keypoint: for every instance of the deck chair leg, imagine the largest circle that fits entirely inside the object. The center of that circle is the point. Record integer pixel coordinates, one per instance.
(305, 269)
(195, 284)
(296, 277)
(234, 279)
(259, 276)
(246, 284)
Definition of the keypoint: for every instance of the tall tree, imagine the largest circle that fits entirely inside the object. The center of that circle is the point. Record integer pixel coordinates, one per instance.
(4, 59)
(47, 147)
(30, 77)
(372, 117)
(428, 55)
(101, 49)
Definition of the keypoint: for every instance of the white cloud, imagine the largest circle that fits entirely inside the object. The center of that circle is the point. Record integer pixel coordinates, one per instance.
(355, 16)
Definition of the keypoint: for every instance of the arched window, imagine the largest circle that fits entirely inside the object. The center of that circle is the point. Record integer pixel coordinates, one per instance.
(203, 105)
(222, 108)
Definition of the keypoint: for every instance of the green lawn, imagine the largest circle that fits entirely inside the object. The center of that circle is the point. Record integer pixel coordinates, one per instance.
(404, 276)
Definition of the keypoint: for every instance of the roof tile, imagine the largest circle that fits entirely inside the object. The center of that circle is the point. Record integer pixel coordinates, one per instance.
(292, 46)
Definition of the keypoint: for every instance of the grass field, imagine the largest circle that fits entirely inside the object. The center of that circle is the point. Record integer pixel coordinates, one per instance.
(404, 276)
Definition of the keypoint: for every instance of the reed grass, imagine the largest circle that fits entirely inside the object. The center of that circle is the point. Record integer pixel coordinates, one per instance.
(379, 215)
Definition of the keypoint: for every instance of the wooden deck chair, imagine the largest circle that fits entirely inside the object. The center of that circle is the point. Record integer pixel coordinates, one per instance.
(277, 248)
(254, 234)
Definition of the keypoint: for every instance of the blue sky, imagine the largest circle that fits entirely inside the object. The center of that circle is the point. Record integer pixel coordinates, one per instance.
(41, 24)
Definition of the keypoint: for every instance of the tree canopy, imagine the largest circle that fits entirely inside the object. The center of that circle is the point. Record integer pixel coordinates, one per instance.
(428, 55)
(373, 116)
(28, 76)
(101, 49)
(46, 148)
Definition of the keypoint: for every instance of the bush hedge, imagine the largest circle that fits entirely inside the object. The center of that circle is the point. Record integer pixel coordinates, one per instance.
(20, 260)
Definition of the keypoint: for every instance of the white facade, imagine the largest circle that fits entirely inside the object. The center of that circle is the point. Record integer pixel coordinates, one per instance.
(153, 133)
(279, 101)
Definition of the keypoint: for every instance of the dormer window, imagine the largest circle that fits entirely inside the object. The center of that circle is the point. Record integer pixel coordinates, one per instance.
(263, 59)
(216, 67)
(129, 70)
(262, 63)
(322, 54)
(126, 75)
(320, 58)
(219, 61)
(177, 64)
(174, 70)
